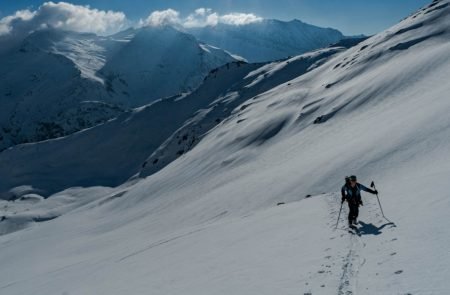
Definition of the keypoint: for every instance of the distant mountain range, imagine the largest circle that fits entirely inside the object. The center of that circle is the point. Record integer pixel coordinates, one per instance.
(267, 40)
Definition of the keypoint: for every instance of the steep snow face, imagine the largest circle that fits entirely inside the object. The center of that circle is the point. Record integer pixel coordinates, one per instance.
(267, 40)
(87, 53)
(56, 82)
(208, 222)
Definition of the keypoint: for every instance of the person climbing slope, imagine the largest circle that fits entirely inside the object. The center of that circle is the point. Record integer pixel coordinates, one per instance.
(351, 192)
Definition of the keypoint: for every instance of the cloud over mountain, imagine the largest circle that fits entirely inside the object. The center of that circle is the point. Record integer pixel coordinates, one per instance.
(78, 18)
(63, 15)
(201, 17)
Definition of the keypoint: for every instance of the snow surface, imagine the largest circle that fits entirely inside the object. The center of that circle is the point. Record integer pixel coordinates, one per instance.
(208, 223)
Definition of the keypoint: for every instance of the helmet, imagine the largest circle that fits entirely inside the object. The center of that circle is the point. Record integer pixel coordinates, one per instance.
(347, 178)
(353, 178)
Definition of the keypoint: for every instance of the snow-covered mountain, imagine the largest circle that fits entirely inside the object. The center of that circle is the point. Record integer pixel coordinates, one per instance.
(157, 62)
(208, 222)
(267, 40)
(44, 95)
(56, 82)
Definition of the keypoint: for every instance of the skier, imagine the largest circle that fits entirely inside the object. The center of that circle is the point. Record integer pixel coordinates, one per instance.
(351, 191)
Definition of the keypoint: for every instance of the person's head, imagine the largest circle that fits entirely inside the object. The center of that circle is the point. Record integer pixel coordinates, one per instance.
(352, 180)
(347, 179)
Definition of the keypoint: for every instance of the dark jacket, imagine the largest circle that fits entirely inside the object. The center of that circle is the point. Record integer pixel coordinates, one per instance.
(353, 194)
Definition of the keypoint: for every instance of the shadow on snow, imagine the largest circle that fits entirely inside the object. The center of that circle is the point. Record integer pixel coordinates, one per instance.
(370, 229)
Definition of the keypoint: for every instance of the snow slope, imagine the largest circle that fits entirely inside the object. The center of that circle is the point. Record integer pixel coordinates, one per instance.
(267, 40)
(228, 105)
(55, 82)
(110, 153)
(208, 222)
(149, 138)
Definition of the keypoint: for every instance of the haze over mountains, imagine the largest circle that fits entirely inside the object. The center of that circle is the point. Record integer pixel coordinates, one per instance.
(234, 186)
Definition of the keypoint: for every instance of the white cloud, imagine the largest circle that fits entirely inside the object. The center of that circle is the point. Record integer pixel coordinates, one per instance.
(7, 22)
(202, 11)
(201, 17)
(239, 19)
(162, 17)
(66, 16)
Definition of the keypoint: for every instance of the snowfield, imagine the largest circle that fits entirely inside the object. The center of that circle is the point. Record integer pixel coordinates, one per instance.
(207, 221)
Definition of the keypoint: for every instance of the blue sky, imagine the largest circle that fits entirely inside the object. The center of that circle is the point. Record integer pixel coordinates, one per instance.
(349, 16)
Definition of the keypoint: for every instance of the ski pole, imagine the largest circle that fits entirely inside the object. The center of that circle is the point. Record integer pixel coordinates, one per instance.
(379, 203)
(339, 216)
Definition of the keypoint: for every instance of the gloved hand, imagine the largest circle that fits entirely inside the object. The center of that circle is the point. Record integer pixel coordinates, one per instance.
(361, 203)
(342, 200)
(375, 192)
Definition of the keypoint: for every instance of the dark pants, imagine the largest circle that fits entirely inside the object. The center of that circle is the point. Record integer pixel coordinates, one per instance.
(353, 213)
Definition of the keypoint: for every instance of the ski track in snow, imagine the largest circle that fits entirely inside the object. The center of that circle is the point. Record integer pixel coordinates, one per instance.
(354, 260)
(159, 243)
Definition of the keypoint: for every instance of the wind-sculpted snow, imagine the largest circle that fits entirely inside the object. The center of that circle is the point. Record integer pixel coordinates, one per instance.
(208, 222)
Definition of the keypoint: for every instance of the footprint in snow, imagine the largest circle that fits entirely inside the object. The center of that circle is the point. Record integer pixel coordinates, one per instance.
(392, 254)
(398, 272)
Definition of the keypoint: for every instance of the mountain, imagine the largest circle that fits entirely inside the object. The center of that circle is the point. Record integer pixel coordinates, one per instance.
(46, 95)
(56, 83)
(208, 222)
(267, 40)
(157, 62)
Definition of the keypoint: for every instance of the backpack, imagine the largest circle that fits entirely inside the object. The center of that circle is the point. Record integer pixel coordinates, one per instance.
(349, 193)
